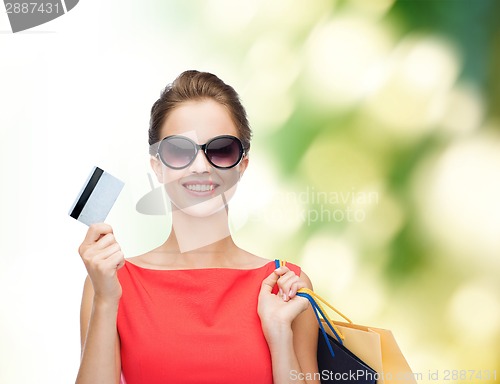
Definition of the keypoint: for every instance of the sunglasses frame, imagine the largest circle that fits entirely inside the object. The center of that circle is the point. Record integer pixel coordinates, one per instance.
(203, 147)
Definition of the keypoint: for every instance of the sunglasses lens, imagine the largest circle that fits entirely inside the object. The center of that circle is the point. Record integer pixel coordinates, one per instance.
(224, 152)
(177, 152)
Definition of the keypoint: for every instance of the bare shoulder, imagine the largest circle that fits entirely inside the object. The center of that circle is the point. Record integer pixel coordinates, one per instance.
(140, 260)
(247, 260)
(153, 259)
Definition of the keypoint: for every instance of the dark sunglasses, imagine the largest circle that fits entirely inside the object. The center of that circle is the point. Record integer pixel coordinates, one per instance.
(178, 152)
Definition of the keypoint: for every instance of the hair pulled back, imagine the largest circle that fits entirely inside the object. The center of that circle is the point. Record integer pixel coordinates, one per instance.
(195, 86)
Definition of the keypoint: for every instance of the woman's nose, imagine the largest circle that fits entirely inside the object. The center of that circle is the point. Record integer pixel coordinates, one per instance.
(200, 163)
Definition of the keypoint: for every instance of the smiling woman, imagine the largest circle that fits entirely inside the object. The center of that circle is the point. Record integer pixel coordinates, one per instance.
(197, 182)
(170, 314)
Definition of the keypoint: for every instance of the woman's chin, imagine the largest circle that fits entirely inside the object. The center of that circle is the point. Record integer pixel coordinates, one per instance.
(202, 209)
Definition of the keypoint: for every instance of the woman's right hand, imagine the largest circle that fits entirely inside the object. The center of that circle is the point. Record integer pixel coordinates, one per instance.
(102, 257)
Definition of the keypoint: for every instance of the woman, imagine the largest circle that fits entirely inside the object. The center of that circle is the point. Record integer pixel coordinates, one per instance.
(198, 309)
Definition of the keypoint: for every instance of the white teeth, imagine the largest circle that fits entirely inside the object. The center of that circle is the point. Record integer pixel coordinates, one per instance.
(200, 187)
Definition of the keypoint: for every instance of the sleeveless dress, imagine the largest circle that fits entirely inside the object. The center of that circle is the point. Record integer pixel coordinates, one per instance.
(196, 326)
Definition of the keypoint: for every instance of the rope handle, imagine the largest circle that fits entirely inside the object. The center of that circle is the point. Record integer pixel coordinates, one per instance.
(319, 309)
(320, 300)
(316, 309)
(317, 298)
(279, 263)
(315, 301)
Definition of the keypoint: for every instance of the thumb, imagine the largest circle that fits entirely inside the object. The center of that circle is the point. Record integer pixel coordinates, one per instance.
(269, 282)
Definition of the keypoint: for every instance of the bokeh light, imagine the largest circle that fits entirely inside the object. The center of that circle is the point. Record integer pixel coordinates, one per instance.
(375, 162)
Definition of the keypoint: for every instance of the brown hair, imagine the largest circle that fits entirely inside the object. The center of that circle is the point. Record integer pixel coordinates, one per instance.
(195, 85)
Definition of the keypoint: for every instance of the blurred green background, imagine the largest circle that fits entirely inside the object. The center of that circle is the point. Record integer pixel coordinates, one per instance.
(375, 163)
(377, 142)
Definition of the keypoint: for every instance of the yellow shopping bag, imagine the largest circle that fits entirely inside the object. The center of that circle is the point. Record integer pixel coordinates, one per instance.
(377, 347)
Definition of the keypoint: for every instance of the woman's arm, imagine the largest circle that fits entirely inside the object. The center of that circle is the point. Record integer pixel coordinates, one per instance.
(102, 256)
(305, 339)
(100, 361)
(290, 328)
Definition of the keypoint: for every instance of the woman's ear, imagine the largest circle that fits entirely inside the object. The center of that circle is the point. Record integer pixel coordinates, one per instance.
(156, 165)
(243, 165)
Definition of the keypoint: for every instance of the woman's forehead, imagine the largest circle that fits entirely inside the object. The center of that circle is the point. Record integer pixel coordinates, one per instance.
(199, 120)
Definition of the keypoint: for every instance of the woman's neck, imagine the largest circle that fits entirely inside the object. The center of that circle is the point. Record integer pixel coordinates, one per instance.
(201, 241)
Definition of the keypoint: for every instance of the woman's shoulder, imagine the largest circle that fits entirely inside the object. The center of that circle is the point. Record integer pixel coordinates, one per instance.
(253, 261)
(247, 260)
(261, 261)
(143, 261)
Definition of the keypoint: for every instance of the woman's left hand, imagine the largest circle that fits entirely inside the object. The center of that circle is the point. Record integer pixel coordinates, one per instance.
(280, 310)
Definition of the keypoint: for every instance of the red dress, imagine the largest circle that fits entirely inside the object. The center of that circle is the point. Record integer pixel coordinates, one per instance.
(193, 326)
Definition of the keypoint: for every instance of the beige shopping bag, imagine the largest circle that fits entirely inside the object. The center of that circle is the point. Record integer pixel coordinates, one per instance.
(377, 347)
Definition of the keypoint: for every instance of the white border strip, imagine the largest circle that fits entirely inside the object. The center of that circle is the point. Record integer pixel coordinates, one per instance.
(63, 2)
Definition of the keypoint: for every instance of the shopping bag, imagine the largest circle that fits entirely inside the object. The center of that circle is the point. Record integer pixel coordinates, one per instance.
(387, 359)
(376, 347)
(336, 363)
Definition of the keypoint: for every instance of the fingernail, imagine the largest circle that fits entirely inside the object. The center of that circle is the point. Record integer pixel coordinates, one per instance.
(281, 292)
(290, 293)
(284, 297)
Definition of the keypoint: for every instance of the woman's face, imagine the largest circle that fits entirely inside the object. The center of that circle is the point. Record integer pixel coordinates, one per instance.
(199, 189)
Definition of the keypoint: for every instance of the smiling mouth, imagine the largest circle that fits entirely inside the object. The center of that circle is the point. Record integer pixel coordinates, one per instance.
(200, 187)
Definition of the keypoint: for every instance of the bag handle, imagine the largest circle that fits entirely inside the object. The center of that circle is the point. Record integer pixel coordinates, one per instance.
(317, 298)
(318, 310)
(320, 300)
